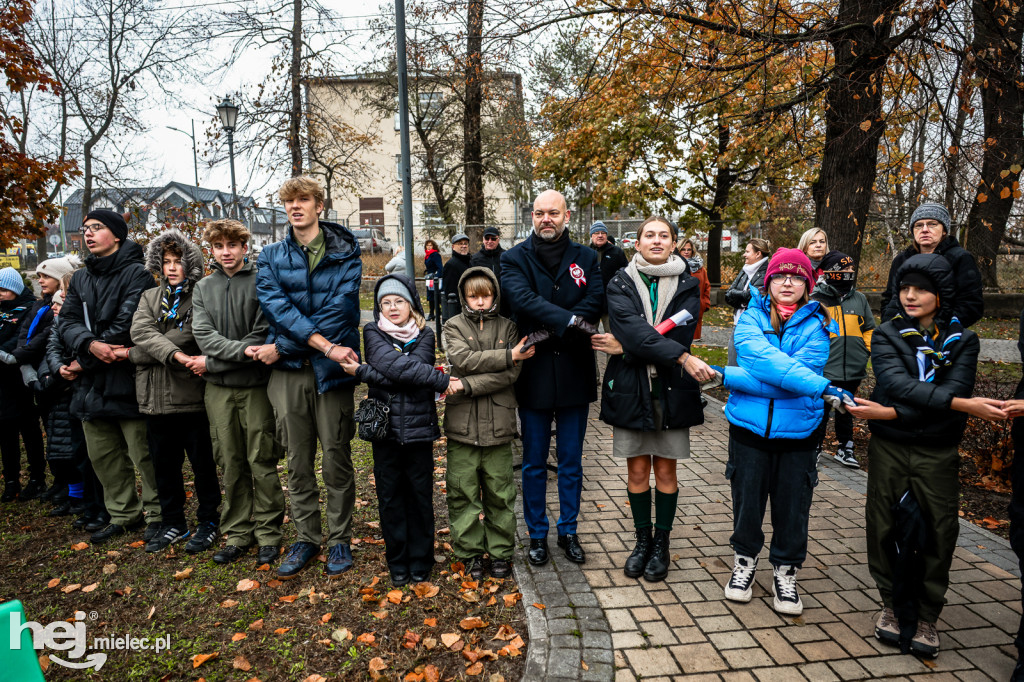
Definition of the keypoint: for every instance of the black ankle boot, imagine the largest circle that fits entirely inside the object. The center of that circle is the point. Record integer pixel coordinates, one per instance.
(657, 565)
(641, 553)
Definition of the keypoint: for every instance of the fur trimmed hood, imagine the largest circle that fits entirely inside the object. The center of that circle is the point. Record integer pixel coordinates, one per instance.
(191, 254)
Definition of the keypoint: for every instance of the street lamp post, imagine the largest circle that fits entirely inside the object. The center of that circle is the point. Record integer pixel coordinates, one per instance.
(228, 112)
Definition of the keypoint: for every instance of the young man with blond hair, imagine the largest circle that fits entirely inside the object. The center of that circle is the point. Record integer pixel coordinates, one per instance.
(308, 287)
(228, 320)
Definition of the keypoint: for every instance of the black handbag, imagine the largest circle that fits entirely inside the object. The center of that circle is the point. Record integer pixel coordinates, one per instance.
(372, 418)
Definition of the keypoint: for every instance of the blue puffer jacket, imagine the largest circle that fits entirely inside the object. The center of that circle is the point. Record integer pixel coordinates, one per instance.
(775, 392)
(298, 303)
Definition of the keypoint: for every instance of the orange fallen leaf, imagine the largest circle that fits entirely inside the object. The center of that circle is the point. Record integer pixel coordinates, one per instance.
(263, 567)
(395, 596)
(238, 636)
(517, 642)
(245, 585)
(199, 659)
(315, 678)
(430, 622)
(505, 633)
(78, 547)
(492, 601)
(538, 606)
(152, 610)
(472, 623)
(241, 663)
(377, 664)
(450, 639)
(376, 579)
(53, 583)
(228, 603)
(475, 669)
(366, 638)
(281, 631)
(410, 639)
(70, 588)
(274, 583)
(431, 674)
(413, 677)
(181, 575)
(90, 588)
(583, 664)
(44, 662)
(379, 615)
(425, 590)
(256, 624)
(326, 618)
(288, 599)
(429, 642)
(137, 544)
(511, 599)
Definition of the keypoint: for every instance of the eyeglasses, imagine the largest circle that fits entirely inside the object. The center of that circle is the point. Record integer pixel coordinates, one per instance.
(396, 304)
(927, 224)
(91, 228)
(787, 279)
(490, 238)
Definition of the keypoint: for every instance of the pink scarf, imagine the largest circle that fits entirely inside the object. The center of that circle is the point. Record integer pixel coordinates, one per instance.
(405, 333)
(786, 311)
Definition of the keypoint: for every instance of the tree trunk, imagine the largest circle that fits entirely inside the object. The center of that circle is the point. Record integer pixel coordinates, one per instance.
(853, 123)
(86, 179)
(996, 53)
(473, 139)
(295, 75)
(725, 178)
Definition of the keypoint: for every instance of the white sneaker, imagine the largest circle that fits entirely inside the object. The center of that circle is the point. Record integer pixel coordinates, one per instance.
(740, 584)
(787, 599)
(844, 455)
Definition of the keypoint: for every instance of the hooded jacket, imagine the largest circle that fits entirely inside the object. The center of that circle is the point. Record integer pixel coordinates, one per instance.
(626, 400)
(298, 303)
(405, 376)
(966, 302)
(775, 391)
(14, 315)
(850, 347)
(34, 334)
(226, 320)
(100, 305)
(163, 385)
(923, 409)
(479, 347)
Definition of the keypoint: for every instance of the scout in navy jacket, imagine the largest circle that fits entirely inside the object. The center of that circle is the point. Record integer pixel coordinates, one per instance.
(563, 372)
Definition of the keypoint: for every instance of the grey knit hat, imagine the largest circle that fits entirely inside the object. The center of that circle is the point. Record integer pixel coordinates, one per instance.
(394, 287)
(598, 226)
(931, 211)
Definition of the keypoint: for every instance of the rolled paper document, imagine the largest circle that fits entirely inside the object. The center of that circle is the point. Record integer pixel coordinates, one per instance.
(679, 319)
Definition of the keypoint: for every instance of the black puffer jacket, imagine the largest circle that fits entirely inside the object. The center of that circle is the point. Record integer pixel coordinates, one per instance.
(14, 396)
(450, 276)
(32, 339)
(405, 376)
(738, 293)
(626, 390)
(923, 409)
(100, 305)
(968, 303)
(62, 439)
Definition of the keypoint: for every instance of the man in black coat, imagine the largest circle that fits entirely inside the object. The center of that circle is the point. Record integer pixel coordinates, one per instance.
(96, 322)
(929, 226)
(489, 255)
(611, 257)
(452, 273)
(555, 291)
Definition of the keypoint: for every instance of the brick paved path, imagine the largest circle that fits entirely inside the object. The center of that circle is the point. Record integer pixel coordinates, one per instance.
(685, 627)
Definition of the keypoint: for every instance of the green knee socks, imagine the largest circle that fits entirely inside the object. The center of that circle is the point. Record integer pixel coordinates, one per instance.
(640, 505)
(664, 509)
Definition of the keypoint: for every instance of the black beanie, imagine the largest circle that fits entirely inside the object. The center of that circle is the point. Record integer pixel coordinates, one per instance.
(114, 221)
(835, 260)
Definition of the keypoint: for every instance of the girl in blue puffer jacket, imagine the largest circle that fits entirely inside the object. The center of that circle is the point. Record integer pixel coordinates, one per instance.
(775, 409)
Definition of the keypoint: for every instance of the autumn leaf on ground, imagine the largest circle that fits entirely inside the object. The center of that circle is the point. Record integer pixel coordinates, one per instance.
(137, 544)
(78, 547)
(471, 623)
(492, 601)
(274, 583)
(505, 633)
(377, 664)
(263, 567)
(44, 662)
(431, 674)
(256, 624)
(288, 599)
(53, 583)
(475, 669)
(449, 639)
(181, 575)
(109, 569)
(228, 603)
(517, 642)
(429, 642)
(326, 618)
(199, 659)
(241, 663)
(315, 678)
(90, 588)
(430, 622)
(366, 638)
(511, 599)
(152, 610)
(425, 590)
(341, 634)
(70, 588)
(410, 639)
(413, 677)
(395, 596)
(538, 606)
(245, 585)
(238, 636)
(379, 615)
(281, 631)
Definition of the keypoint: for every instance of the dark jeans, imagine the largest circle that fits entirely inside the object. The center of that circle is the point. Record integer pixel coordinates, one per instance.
(571, 425)
(788, 479)
(171, 437)
(1017, 512)
(405, 499)
(844, 420)
(31, 433)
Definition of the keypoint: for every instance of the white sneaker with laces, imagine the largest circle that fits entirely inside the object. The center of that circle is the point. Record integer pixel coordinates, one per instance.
(844, 455)
(739, 587)
(787, 598)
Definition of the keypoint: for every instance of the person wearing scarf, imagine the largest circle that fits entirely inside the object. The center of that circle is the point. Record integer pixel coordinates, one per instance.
(399, 372)
(751, 276)
(688, 250)
(850, 347)
(814, 243)
(171, 393)
(924, 373)
(650, 391)
(435, 268)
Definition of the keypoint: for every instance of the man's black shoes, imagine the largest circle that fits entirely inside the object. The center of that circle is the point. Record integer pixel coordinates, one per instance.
(570, 544)
(538, 555)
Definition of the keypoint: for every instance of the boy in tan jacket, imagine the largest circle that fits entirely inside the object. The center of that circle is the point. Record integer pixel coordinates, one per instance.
(480, 423)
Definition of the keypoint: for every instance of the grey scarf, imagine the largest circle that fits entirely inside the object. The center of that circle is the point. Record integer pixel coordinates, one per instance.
(668, 274)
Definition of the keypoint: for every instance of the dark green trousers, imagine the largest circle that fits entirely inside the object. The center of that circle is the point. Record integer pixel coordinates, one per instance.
(932, 475)
(479, 479)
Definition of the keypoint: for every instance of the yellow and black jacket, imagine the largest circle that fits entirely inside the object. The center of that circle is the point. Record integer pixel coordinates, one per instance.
(850, 349)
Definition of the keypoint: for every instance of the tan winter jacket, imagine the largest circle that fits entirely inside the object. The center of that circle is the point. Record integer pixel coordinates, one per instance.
(479, 347)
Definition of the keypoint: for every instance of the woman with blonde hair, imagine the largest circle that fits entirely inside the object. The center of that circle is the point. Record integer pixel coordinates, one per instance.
(688, 250)
(814, 244)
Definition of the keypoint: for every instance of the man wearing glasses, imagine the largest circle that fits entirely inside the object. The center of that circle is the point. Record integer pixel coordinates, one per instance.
(930, 230)
(95, 322)
(489, 255)
(554, 289)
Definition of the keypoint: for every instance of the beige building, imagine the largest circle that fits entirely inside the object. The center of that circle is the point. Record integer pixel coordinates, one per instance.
(364, 186)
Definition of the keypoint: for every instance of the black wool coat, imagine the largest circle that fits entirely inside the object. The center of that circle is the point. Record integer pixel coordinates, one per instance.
(563, 372)
(14, 395)
(625, 390)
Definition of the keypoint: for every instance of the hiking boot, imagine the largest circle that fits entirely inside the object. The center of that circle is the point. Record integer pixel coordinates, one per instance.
(475, 567)
(787, 598)
(11, 491)
(501, 568)
(230, 554)
(33, 489)
(740, 585)
(98, 522)
(339, 560)
(657, 564)
(203, 538)
(844, 455)
(108, 532)
(636, 561)
(926, 641)
(299, 554)
(887, 628)
(168, 537)
(268, 554)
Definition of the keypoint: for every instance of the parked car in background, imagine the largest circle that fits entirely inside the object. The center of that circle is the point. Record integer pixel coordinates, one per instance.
(373, 241)
(628, 241)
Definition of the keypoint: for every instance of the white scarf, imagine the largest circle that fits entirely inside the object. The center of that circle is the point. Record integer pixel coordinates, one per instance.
(751, 270)
(405, 333)
(668, 274)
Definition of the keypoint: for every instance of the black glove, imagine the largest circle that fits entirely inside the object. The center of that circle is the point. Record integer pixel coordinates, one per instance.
(582, 325)
(737, 298)
(534, 338)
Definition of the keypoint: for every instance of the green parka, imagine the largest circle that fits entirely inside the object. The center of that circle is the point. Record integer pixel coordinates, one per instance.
(479, 346)
(162, 385)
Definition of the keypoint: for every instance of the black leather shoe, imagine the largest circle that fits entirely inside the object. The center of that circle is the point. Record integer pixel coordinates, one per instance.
(538, 554)
(230, 554)
(33, 489)
(570, 543)
(400, 577)
(62, 509)
(501, 568)
(636, 562)
(657, 564)
(97, 523)
(268, 554)
(112, 530)
(81, 522)
(475, 568)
